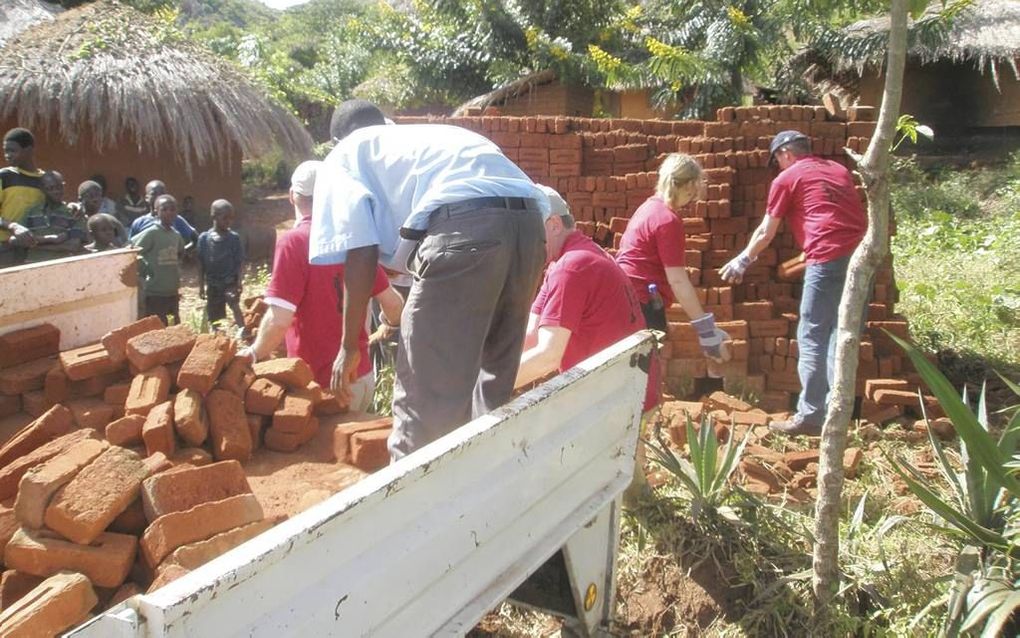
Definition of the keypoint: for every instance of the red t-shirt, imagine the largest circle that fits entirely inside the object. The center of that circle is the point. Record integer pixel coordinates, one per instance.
(818, 198)
(654, 241)
(585, 292)
(315, 291)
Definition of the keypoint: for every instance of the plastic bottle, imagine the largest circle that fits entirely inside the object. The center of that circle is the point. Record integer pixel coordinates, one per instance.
(654, 298)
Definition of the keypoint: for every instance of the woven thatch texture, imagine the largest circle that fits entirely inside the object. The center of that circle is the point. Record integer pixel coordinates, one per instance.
(18, 15)
(111, 70)
(987, 33)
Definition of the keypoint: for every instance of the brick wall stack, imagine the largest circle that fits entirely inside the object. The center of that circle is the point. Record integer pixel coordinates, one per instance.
(130, 474)
(605, 169)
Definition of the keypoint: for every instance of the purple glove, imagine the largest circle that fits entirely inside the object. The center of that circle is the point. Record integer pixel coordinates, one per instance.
(734, 269)
(710, 338)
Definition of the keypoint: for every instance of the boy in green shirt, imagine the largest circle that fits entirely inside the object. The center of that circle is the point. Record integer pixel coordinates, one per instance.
(160, 268)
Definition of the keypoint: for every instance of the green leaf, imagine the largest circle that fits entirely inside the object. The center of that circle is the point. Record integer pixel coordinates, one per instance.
(979, 443)
(917, 8)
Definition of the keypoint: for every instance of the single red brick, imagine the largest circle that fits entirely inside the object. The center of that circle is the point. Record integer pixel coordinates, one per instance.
(313, 392)
(115, 341)
(55, 422)
(106, 561)
(331, 404)
(293, 415)
(117, 394)
(165, 576)
(126, 431)
(755, 471)
(187, 487)
(56, 385)
(291, 372)
(10, 474)
(872, 385)
(87, 361)
(194, 555)
(342, 435)
(170, 531)
(14, 585)
(27, 344)
(83, 508)
(281, 441)
(207, 359)
(158, 431)
(797, 461)
(852, 458)
(905, 398)
(58, 603)
(148, 389)
(193, 456)
(263, 397)
(25, 377)
(9, 405)
(721, 401)
(228, 426)
(160, 347)
(237, 377)
(189, 418)
(41, 482)
(91, 413)
(369, 451)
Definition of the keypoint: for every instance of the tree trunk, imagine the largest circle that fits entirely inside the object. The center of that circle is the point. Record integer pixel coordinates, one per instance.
(874, 172)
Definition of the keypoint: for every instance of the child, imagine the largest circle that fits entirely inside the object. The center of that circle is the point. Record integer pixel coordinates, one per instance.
(220, 257)
(103, 230)
(162, 247)
(132, 205)
(57, 230)
(90, 199)
(106, 205)
(20, 190)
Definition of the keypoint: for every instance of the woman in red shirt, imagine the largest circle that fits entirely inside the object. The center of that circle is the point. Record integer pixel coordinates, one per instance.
(652, 253)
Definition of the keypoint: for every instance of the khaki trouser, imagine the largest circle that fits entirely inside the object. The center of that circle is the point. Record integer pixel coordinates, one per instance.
(462, 330)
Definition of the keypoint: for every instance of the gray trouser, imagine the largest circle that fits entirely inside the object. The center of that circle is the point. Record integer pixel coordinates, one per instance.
(462, 330)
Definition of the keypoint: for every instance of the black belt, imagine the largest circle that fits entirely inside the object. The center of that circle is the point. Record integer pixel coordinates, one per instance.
(471, 205)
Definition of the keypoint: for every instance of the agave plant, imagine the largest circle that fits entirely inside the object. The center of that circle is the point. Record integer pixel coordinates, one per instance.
(706, 475)
(983, 510)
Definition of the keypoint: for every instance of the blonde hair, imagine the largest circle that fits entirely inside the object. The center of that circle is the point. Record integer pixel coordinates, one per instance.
(677, 171)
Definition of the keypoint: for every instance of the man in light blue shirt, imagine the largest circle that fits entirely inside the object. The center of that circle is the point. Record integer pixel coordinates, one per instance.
(445, 205)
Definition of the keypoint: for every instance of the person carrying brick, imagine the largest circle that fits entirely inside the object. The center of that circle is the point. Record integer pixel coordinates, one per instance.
(220, 259)
(652, 254)
(306, 302)
(824, 212)
(57, 230)
(447, 205)
(20, 190)
(159, 262)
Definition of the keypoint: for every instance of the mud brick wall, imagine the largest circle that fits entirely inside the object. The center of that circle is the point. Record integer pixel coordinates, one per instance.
(605, 169)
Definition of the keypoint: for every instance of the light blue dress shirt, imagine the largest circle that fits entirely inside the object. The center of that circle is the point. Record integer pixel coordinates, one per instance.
(181, 225)
(381, 178)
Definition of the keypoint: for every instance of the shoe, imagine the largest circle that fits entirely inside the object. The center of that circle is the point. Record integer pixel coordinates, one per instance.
(794, 427)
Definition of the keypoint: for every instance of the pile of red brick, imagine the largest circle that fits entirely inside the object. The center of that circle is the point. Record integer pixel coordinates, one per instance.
(605, 169)
(130, 475)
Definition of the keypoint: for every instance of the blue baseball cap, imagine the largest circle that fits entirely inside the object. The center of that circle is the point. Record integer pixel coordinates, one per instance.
(782, 139)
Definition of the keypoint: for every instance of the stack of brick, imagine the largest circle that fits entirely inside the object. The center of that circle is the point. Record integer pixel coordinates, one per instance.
(605, 168)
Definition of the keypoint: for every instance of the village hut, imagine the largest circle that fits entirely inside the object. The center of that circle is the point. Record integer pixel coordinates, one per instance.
(109, 90)
(961, 75)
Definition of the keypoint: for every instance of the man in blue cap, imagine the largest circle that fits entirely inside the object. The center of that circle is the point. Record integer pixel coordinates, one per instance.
(818, 198)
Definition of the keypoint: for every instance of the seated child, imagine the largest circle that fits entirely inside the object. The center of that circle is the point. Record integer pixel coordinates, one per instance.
(56, 229)
(103, 230)
(160, 267)
(220, 257)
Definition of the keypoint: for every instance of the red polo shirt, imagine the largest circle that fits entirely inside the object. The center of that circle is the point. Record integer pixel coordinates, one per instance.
(653, 241)
(315, 292)
(585, 292)
(818, 198)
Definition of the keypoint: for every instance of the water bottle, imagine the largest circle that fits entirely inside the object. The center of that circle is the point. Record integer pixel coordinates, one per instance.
(654, 298)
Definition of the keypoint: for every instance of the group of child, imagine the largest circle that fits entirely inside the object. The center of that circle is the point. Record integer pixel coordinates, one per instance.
(36, 225)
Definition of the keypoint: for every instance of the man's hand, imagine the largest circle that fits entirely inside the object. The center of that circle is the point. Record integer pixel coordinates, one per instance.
(711, 339)
(735, 268)
(345, 373)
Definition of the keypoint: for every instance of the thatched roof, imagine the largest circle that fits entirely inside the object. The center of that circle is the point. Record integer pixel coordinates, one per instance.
(18, 15)
(517, 88)
(121, 75)
(986, 33)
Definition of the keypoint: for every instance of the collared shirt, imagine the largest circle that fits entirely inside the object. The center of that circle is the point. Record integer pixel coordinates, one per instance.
(160, 259)
(653, 241)
(382, 178)
(181, 225)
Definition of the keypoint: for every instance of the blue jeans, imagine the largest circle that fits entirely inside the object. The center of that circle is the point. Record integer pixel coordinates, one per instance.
(819, 317)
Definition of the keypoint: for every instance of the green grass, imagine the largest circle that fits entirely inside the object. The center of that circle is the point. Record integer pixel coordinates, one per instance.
(957, 260)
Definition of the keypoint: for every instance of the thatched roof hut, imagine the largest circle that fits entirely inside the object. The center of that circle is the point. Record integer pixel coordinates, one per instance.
(18, 15)
(962, 70)
(123, 93)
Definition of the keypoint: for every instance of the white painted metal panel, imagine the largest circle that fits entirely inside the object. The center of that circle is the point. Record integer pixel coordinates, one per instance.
(429, 544)
(84, 296)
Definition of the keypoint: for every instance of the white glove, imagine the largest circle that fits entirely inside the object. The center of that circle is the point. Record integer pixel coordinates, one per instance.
(734, 269)
(711, 338)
